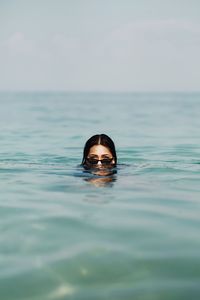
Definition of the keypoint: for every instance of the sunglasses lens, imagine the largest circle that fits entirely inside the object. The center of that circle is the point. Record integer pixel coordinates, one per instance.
(106, 161)
(93, 161)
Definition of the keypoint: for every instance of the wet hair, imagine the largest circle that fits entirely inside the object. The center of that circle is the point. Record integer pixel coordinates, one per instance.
(99, 139)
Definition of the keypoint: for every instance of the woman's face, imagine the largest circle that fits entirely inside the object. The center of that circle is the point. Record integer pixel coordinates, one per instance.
(100, 156)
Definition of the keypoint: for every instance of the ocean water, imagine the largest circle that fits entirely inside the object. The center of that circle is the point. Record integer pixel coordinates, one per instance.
(67, 234)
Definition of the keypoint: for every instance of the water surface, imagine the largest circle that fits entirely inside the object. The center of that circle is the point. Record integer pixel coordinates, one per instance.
(68, 235)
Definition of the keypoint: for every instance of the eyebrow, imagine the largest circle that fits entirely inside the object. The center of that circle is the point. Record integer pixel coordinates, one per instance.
(106, 155)
(103, 155)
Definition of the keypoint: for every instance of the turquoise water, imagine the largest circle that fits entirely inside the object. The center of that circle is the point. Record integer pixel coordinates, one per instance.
(66, 234)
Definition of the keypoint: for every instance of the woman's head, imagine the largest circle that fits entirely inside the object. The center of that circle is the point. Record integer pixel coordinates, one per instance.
(99, 151)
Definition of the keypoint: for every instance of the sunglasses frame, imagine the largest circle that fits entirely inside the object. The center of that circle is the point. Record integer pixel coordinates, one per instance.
(104, 161)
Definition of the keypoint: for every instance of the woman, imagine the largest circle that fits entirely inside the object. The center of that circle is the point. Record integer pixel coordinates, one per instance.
(99, 152)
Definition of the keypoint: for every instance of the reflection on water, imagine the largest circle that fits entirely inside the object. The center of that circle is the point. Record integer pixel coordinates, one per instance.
(101, 177)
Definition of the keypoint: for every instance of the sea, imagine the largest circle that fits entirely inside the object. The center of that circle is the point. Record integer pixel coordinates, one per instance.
(70, 234)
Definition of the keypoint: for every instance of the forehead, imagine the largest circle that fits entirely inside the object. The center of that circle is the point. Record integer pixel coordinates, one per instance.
(99, 150)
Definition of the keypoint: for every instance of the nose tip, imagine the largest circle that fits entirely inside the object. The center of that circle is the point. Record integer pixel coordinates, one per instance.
(99, 162)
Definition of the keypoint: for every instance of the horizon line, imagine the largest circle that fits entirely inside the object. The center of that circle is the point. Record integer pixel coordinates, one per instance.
(100, 91)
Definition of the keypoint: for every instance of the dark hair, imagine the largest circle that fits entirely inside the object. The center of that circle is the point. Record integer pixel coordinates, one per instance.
(99, 139)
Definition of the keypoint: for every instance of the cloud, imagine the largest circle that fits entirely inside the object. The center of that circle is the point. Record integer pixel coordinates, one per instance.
(24, 62)
(65, 44)
(159, 54)
(17, 44)
(155, 54)
(150, 43)
(157, 29)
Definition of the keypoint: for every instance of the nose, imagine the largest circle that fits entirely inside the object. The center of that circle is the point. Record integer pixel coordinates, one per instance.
(99, 163)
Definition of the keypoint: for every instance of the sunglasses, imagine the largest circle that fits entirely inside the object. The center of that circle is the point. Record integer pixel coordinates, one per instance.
(104, 161)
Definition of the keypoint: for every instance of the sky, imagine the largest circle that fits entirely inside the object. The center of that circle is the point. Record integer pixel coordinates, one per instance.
(100, 45)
